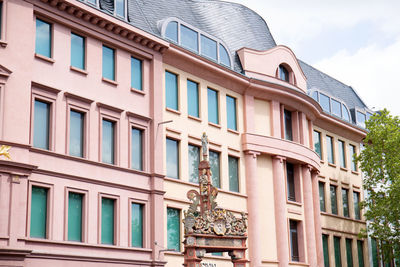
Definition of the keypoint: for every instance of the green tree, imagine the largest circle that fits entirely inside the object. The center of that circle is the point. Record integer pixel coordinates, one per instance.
(380, 163)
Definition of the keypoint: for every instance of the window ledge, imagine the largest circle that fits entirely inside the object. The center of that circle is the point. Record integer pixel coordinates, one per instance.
(332, 165)
(342, 217)
(194, 118)
(137, 91)
(109, 81)
(344, 169)
(355, 172)
(173, 111)
(233, 131)
(44, 58)
(298, 263)
(214, 125)
(322, 161)
(294, 203)
(81, 71)
(3, 43)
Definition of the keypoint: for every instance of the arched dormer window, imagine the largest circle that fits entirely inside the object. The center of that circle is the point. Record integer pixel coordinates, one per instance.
(283, 73)
(331, 105)
(195, 40)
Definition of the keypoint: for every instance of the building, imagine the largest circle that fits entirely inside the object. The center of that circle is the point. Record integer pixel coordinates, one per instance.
(104, 104)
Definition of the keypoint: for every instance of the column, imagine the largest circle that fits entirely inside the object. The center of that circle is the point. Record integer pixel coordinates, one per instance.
(280, 211)
(317, 218)
(309, 216)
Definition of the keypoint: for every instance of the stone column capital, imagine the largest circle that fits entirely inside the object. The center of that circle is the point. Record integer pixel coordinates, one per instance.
(280, 158)
(255, 154)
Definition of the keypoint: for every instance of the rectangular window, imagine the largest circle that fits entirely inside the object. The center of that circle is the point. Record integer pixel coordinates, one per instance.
(325, 103)
(360, 250)
(374, 248)
(193, 98)
(333, 199)
(317, 143)
(108, 141)
(76, 133)
(107, 220)
(233, 174)
(345, 200)
(329, 149)
(342, 154)
(294, 243)
(212, 97)
(194, 160)
(338, 257)
(353, 153)
(172, 157)
(137, 149)
(77, 51)
(326, 250)
(215, 168)
(288, 125)
(208, 47)
(136, 74)
(356, 200)
(137, 225)
(75, 204)
(41, 125)
(321, 187)
(231, 112)
(171, 90)
(173, 229)
(120, 8)
(43, 38)
(189, 39)
(349, 252)
(361, 118)
(291, 192)
(39, 212)
(336, 108)
(108, 63)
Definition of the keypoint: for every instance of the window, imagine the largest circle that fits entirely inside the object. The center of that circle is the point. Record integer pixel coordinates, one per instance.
(224, 56)
(75, 209)
(356, 200)
(41, 125)
(189, 39)
(43, 38)
(137, 225)
(38, 228)
(172, 157)
(108, 63)
(107, 220)
(137, 149)
(283, 73)
(294, 243)
(120, 8)
(317, 143)
(193, 98)
(374, 248)
(342, 154)
(173, 229)
(324, 101)
(108, 141)
(329, 149)
(76, 133)
(215, 168)
(353, 153)
(233, 174)
(171, 90)
(369, 115)
(333, 199)
(314, 95)
(77, 51)
(291, 195)
(349, 252)
(336, 108)
(288, 125)
(208, 47)
(360, 250)
(345, 113)
(231, 112)
(213, 115)
(321, 187)
(136, 74)
(171, 31)
(194, 160)
(338, 257)
(361, 118)
(345, 200)
(94, 2)
(326, 250)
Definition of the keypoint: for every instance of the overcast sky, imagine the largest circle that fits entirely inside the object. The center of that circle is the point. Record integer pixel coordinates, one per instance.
(356, 42)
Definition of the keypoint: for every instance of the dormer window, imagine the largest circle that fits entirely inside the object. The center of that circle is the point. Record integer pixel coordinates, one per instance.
(283, 73)
(331, 105)
(171, 32)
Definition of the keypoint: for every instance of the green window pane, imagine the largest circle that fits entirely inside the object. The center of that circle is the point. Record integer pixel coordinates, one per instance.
(349, 252)
(137, 225)
(107, 221)
(41, 124)
(75, 202)
(120, 8)
(375, 259)
(212, 97)
(345, 199)
(317, 143)
(233, 174)
(194, 160)
(326, 250)
(322, 196)
(231, 112)
(352, 154)
(171, 90)
(173, 229)
(329, 149)
(333, 199)
(108, 63)
(43, 38)
(137, 149)
(338, 257)
(136, 74)
(193, 98)
(356, 198)
(216, 253)
(77, 51)
(215, 168)
(76, 127)
(172, 158)
(108, 141)
(342, 155)
(38, 212)
(360, 251)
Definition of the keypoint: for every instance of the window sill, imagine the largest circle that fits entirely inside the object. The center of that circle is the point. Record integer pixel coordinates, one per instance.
(322, 161)
(109, 81)
(44, 58)
(342, 217)
(78, 70)
(344, 169)
(332, 165)
(3, 43)
(355, 172)
(137, 91)
(233, 131)
(299, 204)
(214, 125)
(194, 118)
(173, 111)
(298, 263)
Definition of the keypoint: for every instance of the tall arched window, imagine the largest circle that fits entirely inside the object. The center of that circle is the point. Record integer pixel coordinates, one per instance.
(283, 73)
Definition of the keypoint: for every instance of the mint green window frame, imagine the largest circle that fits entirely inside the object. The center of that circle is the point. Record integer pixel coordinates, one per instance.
(329, 149)
(137, 149)
(325, 247)
(360, 253)
(342, 154)
(345, 202)
(193, 98)
(231, 113)
(233, 164)
(75, 212)
(137, 225)
(213, 106)
(76, 133)
(108, 142)
(353, 153)
(41, 124)
(108, 63)
(338, 256)
(356, 201)
(349, 252)
(317, 143)
(43, 38)
(194, 160)
(136, 73)
(39, 204)
(173, 229)
(374, 252)
(107, 220)
(333, 191)
(215, 167)
(77, 51)
(172, 158)
(322, 202)
(171, 90)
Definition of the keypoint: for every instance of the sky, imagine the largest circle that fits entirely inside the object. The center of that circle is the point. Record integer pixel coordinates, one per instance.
(356, 42)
